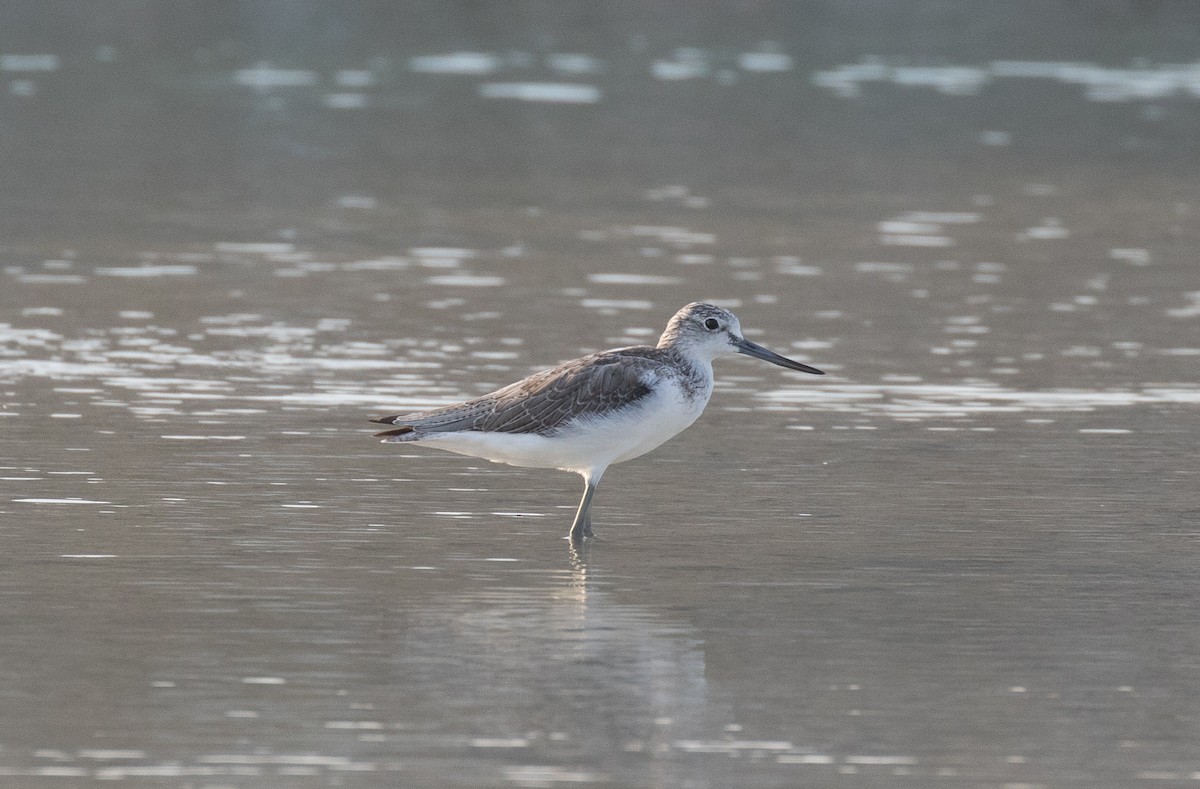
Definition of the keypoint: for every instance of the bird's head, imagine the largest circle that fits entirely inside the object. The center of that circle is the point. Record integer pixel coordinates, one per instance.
(707, 331)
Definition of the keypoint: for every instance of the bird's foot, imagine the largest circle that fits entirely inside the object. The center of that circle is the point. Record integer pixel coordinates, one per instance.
(581, 531)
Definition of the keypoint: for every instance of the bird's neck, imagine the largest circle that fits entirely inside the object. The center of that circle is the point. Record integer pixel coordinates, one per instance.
(698, 369)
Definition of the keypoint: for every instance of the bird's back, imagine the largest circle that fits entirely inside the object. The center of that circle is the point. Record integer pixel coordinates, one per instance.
(548, 401)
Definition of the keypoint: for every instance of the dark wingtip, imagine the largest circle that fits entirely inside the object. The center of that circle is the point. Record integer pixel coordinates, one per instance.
(385, 420)
(397, 432)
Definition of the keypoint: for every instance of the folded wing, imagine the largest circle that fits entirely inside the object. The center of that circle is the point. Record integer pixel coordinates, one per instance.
(544, 402)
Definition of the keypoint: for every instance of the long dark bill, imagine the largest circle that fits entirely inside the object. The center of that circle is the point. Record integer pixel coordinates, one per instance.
(757, 351)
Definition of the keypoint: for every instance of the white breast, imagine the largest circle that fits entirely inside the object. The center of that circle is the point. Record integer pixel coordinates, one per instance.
(664, 415)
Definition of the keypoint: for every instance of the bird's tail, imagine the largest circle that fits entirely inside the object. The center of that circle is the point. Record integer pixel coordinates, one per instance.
(404, 433)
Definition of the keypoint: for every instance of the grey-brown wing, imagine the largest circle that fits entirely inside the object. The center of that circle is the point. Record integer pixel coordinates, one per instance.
(547, 401)
(543, 402)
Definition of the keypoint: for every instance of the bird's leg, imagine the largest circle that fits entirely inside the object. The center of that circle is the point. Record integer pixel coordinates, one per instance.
(582, 527)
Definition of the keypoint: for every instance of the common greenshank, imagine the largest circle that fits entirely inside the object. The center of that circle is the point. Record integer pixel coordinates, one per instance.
(588, 413)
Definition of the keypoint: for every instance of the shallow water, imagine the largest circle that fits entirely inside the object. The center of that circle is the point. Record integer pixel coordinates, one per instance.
(964, 557)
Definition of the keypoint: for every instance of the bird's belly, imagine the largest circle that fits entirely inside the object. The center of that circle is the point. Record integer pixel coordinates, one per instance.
(514, 449)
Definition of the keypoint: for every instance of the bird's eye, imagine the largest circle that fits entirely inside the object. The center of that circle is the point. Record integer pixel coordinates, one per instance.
(712, 324)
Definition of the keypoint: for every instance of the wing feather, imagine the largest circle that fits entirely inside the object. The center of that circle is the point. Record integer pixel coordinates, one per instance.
(547, 401)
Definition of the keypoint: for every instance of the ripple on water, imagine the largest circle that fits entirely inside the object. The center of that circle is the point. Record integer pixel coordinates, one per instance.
(1190, 311)
(542, 92)
(69, 500)
(146, 271)
(1099, 84)
(937, 400)
(255, 247)
(468, 63)
(51, 279)
(612, 306)
(466, 280)
(633, 279)
(537, 776)
(765, 62)
(426, 254)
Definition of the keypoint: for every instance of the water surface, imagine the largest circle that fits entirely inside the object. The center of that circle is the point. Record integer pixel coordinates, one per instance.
(965, 557)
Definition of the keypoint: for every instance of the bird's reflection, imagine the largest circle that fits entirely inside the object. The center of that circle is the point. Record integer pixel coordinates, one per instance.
(568, 634)
(577, 554)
